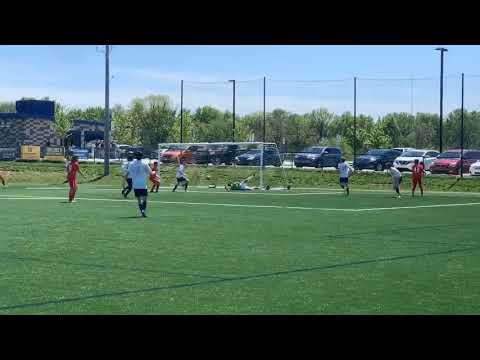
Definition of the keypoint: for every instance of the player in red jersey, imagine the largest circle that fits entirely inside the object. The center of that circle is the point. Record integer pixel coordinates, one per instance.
(154, 177)
(2, 180)
(73, 170)
(418, 171)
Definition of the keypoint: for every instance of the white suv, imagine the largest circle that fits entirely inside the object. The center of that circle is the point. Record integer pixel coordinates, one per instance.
(407, 159)
(475, 168)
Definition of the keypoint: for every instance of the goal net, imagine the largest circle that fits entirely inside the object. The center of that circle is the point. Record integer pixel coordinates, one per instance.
(229, 162)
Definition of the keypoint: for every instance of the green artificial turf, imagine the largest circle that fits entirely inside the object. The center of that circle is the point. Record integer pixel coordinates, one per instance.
(212, 252)
(51, 173)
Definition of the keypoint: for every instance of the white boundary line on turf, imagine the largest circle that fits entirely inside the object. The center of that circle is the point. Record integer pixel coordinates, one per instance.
(210, 192)
(15, 197)
(329, 190)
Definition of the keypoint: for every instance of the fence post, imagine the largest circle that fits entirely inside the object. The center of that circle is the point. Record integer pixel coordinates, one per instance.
(264, 110)
(461, 132)
(354, 118)
(181, 112)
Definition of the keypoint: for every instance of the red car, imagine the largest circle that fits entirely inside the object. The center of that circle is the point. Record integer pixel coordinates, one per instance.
(174, 152)
(448, 162)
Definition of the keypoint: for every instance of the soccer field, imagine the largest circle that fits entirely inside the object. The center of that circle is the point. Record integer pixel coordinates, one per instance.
(307, 251)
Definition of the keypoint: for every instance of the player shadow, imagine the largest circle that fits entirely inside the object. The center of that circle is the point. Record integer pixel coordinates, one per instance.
(130, 217)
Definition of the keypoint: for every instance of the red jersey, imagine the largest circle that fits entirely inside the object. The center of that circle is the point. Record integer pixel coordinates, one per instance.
(418, 170)
(154, 175)
(73, 170)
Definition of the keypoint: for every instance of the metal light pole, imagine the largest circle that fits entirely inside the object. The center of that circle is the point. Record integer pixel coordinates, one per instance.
(181, 112)
(233, 114)
(106, 137)
(264, 110)
(442, 50)
(354, 118)
(461, 135)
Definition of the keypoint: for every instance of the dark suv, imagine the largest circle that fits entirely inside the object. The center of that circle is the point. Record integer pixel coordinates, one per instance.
(253, 157)
(318, 156)
(200, 154)
(376, 159)
(225, 153)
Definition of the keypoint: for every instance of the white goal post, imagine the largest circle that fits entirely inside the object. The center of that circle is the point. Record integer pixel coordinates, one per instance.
(259, 155)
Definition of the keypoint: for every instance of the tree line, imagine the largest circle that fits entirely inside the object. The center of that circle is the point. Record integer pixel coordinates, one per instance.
(152, 120)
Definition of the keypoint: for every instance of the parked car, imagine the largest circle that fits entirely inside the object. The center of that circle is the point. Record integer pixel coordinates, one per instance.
(475, 168)
(200, 153)
(449, 161)
(225, 153)
(403, 149)
(174, 152)
(376, 159)
(123, 150)
(470, 157)
(252, 157)
(318, 156)
(407, 159)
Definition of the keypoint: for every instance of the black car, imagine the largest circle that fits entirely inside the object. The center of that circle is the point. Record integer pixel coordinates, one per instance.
(200, 154)
(376, 159)
(252, 157)
(318, 156)
(225, 153)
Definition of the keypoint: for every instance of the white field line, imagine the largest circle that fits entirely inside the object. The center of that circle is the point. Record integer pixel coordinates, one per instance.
(209, 192)
(15, 197)
(329, 190)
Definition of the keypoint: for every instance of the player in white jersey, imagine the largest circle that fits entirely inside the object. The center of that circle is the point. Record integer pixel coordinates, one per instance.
(139, 172)
(345, 171)
(181, 177)
(396, 180)
(126, 189)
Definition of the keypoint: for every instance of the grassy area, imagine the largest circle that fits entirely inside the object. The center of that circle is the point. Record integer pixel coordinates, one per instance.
(52, 173)
(212, 252)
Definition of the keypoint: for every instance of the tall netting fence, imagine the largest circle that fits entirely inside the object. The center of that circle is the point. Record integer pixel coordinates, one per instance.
(472, 111)
(207, 111)
(306, 114)
(397, 113)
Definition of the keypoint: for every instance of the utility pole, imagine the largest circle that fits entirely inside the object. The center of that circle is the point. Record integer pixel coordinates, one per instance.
(106, 137)
(233, 113)
(461, 133)
(181, 112)
(264, 110)
(354, 118)
(442, 50)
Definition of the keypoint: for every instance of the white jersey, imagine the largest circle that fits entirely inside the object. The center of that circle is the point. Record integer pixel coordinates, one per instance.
(181, 171)
(395, 173)
(125, 169)
(138, 171)
(344, 169)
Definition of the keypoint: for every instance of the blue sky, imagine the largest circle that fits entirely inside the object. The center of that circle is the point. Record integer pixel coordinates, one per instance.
(74, 75)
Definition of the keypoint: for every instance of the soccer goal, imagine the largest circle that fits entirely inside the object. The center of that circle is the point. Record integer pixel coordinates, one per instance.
(260, 162)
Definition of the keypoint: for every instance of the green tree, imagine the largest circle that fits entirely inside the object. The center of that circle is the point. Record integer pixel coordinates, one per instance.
(398, 127)
(125, 131)
(154, 117)
(62, 122)
(321, 121)
(375, 137)
(7, 107)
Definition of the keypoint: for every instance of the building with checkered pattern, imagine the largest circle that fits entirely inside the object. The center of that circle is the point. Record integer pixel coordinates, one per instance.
(33, 124)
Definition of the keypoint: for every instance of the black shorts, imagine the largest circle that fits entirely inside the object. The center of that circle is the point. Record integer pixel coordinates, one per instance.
(344, 180)
(140, 192)
(181, 179)
(129, 183)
